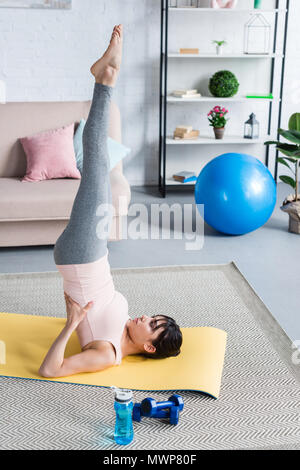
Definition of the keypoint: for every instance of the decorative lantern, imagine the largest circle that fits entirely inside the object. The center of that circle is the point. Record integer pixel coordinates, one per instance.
(251, 128)
(257, 35)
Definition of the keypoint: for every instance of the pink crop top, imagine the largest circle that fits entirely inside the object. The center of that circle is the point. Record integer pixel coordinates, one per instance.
(106, 320)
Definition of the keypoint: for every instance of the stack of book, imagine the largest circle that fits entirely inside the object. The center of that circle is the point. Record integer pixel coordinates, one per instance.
(185, 177)
(185, 132)
(186, 94)
(189, 50)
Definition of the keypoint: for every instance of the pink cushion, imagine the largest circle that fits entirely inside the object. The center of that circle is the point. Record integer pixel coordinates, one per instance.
(50, 155)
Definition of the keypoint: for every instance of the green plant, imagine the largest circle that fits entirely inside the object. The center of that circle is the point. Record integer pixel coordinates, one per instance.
(223, 84)
(294, 122)
(291, 152)
(217, 118)
(219, 43)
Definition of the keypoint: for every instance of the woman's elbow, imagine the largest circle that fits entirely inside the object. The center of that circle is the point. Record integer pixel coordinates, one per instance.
(45, 373)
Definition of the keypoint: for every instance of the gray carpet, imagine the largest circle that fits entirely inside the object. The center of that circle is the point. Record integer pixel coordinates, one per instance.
(259, 403)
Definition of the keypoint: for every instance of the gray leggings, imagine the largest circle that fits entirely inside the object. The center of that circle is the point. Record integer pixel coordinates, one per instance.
(81, 241)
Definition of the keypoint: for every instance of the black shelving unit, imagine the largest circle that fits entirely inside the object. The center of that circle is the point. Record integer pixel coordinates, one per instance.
(163, 187)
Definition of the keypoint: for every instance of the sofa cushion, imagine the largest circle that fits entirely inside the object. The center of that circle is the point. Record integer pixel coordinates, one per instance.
(50, 155)
(116, 150)
(49, 199)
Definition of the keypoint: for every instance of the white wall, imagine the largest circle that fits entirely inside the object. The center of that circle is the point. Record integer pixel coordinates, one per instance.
(46, 55)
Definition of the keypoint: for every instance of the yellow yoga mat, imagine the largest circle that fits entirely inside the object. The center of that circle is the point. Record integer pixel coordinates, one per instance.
(25, 340)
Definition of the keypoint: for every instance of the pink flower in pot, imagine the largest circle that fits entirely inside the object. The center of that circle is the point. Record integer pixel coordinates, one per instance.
(218, 120)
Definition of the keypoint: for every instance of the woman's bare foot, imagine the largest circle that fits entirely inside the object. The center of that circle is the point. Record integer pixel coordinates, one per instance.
(106, 69)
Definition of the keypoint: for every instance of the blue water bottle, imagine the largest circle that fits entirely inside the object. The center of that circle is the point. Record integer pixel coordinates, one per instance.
(123, 406)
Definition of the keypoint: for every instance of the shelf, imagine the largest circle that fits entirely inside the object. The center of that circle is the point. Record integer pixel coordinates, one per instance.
(210, 140)
(228, 10)
(233, 138)
(209, 99)
(176, 55)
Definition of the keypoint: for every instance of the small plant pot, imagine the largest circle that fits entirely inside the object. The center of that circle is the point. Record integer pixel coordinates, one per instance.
(294, 226)
(219, 50)
(219, 132)
(293, 209)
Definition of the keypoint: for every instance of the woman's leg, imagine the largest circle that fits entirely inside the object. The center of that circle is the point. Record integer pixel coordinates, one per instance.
(80, 243)
(85, 238)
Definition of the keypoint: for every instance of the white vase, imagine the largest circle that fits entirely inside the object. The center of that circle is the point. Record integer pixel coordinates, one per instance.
(219, 50)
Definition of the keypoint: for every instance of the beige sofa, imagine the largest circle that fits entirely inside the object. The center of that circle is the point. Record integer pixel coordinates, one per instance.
(37, 213)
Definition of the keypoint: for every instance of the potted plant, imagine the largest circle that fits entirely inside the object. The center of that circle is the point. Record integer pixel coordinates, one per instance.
(218, 120)
(223, 84)
(291, 159)
(219, 47)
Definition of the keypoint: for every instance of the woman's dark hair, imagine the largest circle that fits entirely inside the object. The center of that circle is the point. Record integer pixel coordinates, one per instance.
(168, 342)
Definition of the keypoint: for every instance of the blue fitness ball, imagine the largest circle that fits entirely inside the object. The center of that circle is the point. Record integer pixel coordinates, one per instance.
(238, 193)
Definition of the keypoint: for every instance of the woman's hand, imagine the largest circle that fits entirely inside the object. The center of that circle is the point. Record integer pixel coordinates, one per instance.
(75, 313)
(54, 362)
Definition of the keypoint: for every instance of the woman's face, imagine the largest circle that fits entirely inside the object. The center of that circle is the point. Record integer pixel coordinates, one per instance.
(141, 331)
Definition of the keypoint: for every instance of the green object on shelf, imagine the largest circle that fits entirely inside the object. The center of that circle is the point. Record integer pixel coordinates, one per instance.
(257, 3)
(265, 97)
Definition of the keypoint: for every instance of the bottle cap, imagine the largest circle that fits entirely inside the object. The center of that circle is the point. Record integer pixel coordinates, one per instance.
(123, 396)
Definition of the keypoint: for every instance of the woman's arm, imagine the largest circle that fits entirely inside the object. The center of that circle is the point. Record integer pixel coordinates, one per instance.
(91, 360)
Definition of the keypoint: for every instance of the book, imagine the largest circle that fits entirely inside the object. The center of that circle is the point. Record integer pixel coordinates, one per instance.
(184, 92)
(185, 177)
(183, 128)
(186, 135)
(185, 50)
(194, 95)
(188, 180)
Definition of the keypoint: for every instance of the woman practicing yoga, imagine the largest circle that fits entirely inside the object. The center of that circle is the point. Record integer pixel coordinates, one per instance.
(97, 312)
